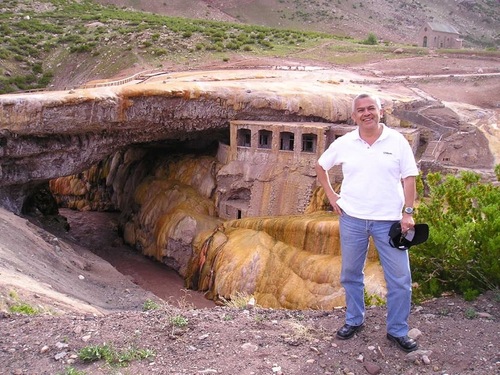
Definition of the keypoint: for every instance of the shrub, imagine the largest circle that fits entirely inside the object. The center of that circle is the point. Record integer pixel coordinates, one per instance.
(24, 309)
(150, 305)
(232, 46)
(45, 79)
(371, 40)
(111, 356)
(72, 371)
(463, 251)
(96, 352)
(80, 48)
(159, 51)
(4, 53)
(179, 321)
(37, 68)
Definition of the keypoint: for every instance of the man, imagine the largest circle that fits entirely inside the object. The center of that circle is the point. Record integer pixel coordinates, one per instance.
(378, 190)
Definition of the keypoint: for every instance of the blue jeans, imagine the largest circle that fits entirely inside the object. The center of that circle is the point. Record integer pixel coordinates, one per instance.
(354, 240)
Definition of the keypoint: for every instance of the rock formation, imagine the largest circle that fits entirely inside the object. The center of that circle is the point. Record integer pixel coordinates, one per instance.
(150, 151)
(283, 261)
(52, 134)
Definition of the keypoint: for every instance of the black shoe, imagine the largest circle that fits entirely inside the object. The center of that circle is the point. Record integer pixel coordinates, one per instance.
(347, 331)
(405, 343)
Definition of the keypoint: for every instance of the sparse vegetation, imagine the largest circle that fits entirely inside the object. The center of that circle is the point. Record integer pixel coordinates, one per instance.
(470, 313)
(300, 332)
(23, 308)
(150, 305)
(72, 371)
(179, 321)
(75, 26)
(373, 299)
(20, 307)
(111, 356)
(228, 317)
(95, 353)
(35, 45)
(239, 300)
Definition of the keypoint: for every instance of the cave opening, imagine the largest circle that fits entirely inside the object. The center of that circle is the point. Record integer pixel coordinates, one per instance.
(89, 209)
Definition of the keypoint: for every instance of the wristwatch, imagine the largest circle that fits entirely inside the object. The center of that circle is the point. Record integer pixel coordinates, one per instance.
(409, 210)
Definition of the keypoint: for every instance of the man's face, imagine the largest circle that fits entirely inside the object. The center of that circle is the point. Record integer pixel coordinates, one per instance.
(366, 113)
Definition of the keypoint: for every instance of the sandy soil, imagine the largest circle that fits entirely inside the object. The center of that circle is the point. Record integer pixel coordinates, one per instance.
(86, 301)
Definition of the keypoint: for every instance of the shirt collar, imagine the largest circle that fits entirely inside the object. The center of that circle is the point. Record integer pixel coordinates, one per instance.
(382, 136)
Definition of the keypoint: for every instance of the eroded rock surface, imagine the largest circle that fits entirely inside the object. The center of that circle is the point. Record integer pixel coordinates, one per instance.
(120, 149)
(51, 134)
(170, 214)
(284, 262)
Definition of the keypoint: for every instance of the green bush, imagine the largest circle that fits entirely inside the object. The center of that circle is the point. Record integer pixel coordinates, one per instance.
(72, 371)
(24, 308)
(179, 321)
(96, 352)
(463, 250)
(80, 48)
(37, 68)
(4, 53)
(45, 79)
(150, 305)
(112, 356)
(370, 40)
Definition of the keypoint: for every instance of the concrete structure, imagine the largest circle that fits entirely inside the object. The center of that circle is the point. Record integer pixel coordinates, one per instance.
(439, 35)
(269, 166)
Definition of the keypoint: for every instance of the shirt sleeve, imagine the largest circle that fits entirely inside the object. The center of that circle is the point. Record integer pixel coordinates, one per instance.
(329, 158)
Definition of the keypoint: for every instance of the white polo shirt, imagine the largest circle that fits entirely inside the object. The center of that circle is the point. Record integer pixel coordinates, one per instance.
(372, 187)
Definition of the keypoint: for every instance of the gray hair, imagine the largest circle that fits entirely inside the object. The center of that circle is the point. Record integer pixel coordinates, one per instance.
(365, 95)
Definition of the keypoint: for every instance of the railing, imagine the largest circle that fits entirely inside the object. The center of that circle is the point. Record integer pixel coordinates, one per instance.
(141, 76)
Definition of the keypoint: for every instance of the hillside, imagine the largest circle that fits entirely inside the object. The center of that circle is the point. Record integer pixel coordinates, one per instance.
(62, 44)
(390, 20)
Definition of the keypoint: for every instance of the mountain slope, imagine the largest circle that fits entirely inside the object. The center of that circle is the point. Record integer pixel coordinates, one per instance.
(478, 21)
(60, 44)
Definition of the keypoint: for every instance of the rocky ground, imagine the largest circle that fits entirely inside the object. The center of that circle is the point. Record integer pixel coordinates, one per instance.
(457, 337)
(91, 293)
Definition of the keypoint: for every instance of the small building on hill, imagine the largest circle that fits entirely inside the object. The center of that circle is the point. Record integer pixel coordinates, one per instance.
(439, 35)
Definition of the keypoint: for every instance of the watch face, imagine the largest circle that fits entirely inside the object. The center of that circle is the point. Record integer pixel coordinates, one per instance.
(409, 210)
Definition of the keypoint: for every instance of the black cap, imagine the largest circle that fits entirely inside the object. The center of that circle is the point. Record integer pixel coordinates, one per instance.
(415, 236)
